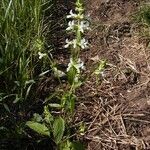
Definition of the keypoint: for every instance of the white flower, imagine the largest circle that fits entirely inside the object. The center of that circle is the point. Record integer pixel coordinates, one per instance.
(41, 55)
(73, 42)
(81, 29)
(68, 43)
(84, 25)
(81, 64)
(71, 25)
(72, 15)
(84, 44)
(77, 65)
(58, 73)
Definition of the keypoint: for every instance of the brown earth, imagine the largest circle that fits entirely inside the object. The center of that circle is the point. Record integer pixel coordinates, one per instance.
(116, 110)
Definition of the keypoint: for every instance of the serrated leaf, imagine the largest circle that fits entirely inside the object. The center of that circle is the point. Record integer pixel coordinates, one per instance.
(38, 127)
(58, 129)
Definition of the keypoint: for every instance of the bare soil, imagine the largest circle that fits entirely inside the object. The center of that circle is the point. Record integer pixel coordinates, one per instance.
(116, 110)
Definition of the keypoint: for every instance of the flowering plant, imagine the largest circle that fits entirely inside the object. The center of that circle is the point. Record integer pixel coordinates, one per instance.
(78, 25)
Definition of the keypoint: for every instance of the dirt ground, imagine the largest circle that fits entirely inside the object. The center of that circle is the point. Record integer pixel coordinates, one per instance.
(116, 110)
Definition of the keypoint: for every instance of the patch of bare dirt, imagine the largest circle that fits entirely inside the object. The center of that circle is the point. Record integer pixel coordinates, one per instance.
(116, 110)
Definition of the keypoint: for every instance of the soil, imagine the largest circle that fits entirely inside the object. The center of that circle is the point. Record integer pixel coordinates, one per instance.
(116, 109)
(115, 106)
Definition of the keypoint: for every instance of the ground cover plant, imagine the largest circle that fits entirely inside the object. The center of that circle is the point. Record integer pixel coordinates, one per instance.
(75, 74)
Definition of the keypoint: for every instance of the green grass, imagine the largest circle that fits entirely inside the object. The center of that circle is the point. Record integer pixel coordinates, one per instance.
(142, 17)
(21, 24)
(144, 14)
(22, 36)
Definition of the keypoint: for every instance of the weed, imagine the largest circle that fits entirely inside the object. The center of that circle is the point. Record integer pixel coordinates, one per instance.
(54, 125)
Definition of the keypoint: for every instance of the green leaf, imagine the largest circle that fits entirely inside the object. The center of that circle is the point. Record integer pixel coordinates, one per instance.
(66, 148)
(43, 73)
(101, 67)
(47, 115)
(54, 105)
(71, 102)
(68, 102)
(29, 82)
(71, 74)
(6, 107)
(77, 84)
(68, 145)
(37, 118)
(17, 99)
(58, 129)
(8, 8)
(28, 91)
(77, 146)
(38, 127)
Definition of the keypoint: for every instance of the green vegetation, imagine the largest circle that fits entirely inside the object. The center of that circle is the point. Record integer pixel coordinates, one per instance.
(22, 36)
(143, 18)
(53, 125)
(21, 40)
(26, 61)
(144, 14)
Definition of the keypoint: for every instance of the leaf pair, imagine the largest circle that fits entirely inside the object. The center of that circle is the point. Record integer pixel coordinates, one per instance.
(58, 129)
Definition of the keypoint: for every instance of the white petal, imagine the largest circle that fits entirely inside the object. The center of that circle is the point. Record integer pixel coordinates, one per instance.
(71, 25)
(66, 46)
(68, 43)
(71, 12)
(41, 55)
(68, 28)
(72, 15)
(84, 44)
(81, 28)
